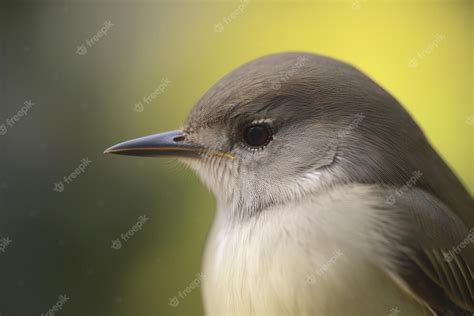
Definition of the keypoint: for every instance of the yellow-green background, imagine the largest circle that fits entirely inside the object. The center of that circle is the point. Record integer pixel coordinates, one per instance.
(85, 103)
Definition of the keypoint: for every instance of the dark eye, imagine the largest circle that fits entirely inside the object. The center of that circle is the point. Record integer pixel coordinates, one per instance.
(257, 135)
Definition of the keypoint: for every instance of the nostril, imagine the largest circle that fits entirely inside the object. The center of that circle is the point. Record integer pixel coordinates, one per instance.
(179, 138)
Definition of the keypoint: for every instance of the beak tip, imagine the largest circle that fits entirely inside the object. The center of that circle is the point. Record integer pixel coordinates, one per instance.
(109, 151)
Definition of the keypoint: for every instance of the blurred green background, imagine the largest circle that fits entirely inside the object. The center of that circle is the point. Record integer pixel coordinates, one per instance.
(85, 101)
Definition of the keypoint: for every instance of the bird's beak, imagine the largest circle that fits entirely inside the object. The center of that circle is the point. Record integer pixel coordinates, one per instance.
(171, 144)
(163, 144)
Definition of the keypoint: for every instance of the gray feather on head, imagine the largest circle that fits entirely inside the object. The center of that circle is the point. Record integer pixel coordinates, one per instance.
(330, 122)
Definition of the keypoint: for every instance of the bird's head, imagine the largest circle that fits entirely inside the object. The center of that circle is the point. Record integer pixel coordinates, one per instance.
(283, 126)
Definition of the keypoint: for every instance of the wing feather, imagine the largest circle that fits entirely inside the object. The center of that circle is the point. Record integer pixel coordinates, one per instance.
(434, 252)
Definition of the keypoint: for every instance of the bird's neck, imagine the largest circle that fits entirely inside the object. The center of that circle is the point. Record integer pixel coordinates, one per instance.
(241, 205)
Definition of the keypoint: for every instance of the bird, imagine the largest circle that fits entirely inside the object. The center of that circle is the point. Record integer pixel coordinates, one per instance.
(330, 200)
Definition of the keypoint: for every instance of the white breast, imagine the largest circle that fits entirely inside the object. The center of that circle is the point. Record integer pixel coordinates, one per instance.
(299, 260)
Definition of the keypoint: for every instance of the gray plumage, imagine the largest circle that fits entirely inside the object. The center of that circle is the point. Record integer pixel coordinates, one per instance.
(345, 210)
(310, 100)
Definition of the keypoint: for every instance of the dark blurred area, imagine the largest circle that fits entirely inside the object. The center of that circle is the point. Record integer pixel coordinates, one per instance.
(58, 244)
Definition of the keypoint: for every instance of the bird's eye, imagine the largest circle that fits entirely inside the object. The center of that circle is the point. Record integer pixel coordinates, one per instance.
(257, 135)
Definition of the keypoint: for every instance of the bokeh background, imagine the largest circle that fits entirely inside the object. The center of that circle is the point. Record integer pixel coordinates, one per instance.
(85, 101)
